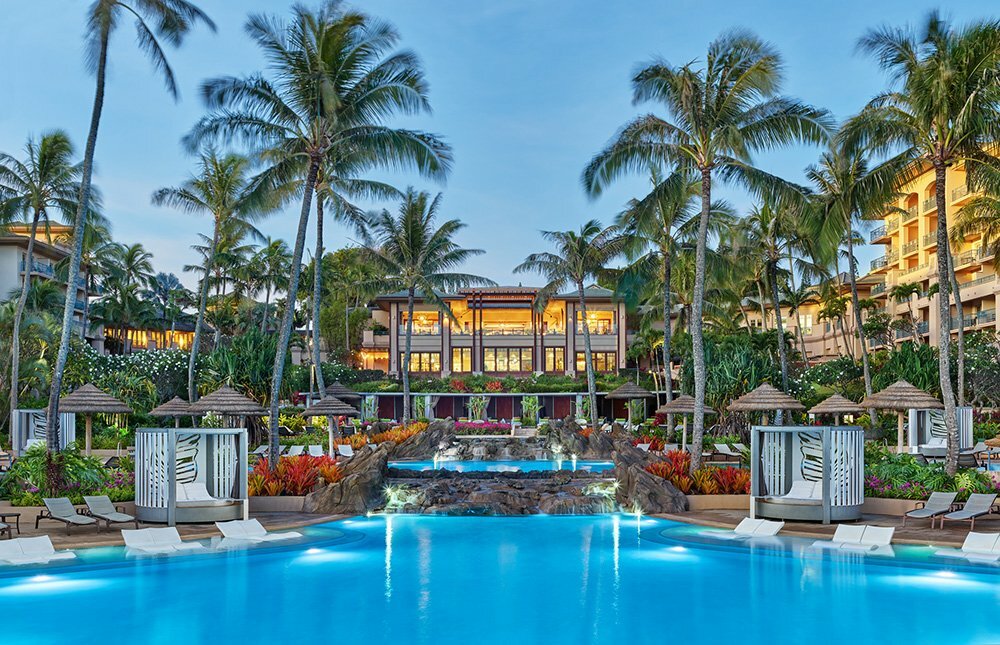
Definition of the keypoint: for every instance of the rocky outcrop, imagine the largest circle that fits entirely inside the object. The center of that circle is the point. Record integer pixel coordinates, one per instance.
(438, 436)
(638, 488)
(494, 449)
(565, 433)
(361, 488)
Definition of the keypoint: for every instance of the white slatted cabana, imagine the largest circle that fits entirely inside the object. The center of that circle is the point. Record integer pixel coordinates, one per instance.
(29, 428)
(191, 475)
(810, 473)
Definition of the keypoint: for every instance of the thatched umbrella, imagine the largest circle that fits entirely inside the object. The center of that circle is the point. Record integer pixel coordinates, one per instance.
(342, 392)
(764, 399)
(89, 400)
(175, 407)
(901, 397)
(629, 392)
(683, 405)
(836, 405)
(227, 402)
(331, 407)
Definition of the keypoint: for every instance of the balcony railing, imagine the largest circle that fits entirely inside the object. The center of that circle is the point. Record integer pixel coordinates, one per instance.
(959, 192)
(506, 331)
(598, 329)
(923, 327)
(909, 247)
(877, 233)
(986, 316)
(929, 204)
(964, 258)
(969, 321)
(421, 330)
(929, 239)
(878, 288)
(879, 263)
(80, 305)
(891, 224)
(978, 281)
(38, 267)
(913, 269)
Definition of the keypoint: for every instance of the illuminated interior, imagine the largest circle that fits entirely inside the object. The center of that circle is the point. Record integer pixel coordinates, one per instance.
(599, 322)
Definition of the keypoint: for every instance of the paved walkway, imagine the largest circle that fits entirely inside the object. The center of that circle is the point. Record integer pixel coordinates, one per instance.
(915, 532)
(86, 536)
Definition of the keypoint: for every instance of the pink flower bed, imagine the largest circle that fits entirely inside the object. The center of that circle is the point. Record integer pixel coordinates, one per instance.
(462, 427)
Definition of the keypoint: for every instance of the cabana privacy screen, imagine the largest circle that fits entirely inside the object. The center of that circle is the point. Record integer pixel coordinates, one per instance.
(811, 473)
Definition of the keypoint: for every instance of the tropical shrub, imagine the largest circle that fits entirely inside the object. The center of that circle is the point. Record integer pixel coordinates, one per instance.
(655, 443)
(293, 476)
(704, 481)
(903, 477)
(462, 427)
(399, 434)
(70, 474)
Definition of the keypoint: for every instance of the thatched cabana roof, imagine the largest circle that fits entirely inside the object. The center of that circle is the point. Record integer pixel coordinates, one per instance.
(331, 406)
(227, 401)
(87, 399)
(175, 407)
(342, 392)
(836, 404)
(902, 396)
(629, 391)
(684, 404)
(765, 398)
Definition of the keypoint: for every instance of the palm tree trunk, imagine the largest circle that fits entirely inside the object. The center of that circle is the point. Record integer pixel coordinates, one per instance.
(267, 307)
(347, 331)
(866, 369)
(798, 325)
(22, 299)
(668, 383)
(202, 306)
(288, 316)
(763, 306)
(317, 295)
(79, 226)
(406, 356)
(944, 309)
(843, 334)
(86, 305)
(772, 270)
(588, 357)
(960, 350)
(697, 330)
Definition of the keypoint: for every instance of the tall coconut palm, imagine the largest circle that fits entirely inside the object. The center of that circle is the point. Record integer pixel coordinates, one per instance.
(907, 292)
(416, 255)
(719, 114)
(797, 298)
(334, 85)
(272, 264)
(171, 21)
(222, 189)
(943, 110)
(47, 178)
(578, 256)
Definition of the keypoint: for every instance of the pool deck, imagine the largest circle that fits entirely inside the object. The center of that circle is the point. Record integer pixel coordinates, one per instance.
(916, 532)
(88, 536)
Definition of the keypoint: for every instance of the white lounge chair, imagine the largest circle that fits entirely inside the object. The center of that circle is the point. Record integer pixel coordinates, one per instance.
(62, 510)
(938, 504)
(727, 451)
(157, 541)
(252, 531)
(316, 451)
(643, 446)
(751, 528)
(980, 547)
(345, 450)
(858, 537)
(31, 550)
(801, 492)
(295, 451)
(261, 451)
(979, 504)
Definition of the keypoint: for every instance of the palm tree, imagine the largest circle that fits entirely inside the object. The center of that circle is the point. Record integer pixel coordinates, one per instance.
(46, 179)
(942, 111)
(416, 255)
(721, 113)
(300, 119)
(795, 299)
(172, 20)
(906, 292)
(222, 189)
(578, 256)
(273, 264)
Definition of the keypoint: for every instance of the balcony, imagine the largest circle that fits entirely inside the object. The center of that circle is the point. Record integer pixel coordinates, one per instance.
(959, 193)
(929, 205)
(914, 269)
(879, 263)
(878, 288)
(974, 232)
(598, 329)
(923, 327)
(422, 330)
(969, 321)
(877, 234)
(929, 240)
(507, 330)
(986, 317)
(986, 279)
(909, 247)
(964, 259)
(40, 268)
(79, 305)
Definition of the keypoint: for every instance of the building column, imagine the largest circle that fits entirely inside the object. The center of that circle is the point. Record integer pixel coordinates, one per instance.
(394, 344)
(570, 357)
(445, 345)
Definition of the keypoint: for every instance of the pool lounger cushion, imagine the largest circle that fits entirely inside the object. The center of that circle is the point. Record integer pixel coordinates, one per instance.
(195, 494)
(158, 540)
(982, 547)
(802, 493)
(31, 550)
(252, 531)
(752, 528)
(857, 537)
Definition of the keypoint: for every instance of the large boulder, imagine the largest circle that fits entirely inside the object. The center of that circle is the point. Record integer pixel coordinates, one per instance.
(438, 436)
(638, 488)
(566, 434)
(361, 488)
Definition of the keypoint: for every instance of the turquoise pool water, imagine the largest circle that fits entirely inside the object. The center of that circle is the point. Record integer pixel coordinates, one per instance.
(467, 466)
(509, 581)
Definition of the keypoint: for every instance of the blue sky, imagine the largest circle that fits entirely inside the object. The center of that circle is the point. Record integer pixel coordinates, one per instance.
(526, 91)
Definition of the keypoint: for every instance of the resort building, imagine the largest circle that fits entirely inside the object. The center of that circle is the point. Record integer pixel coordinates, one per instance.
(497, 330)
(48, 251)
(909, 236)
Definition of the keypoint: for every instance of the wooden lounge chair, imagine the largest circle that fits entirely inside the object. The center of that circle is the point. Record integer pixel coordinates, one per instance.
(157, 541)
(31, 550)
(101, 507)
(979, 504)
(252, 531)
(62, 510)
(938, 504)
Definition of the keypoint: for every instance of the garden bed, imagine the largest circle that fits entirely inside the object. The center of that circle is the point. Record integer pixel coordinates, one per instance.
(718, 502)
(278, 504)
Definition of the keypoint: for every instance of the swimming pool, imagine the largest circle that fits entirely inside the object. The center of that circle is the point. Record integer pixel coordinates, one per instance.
(525, 580)
(506, 466)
